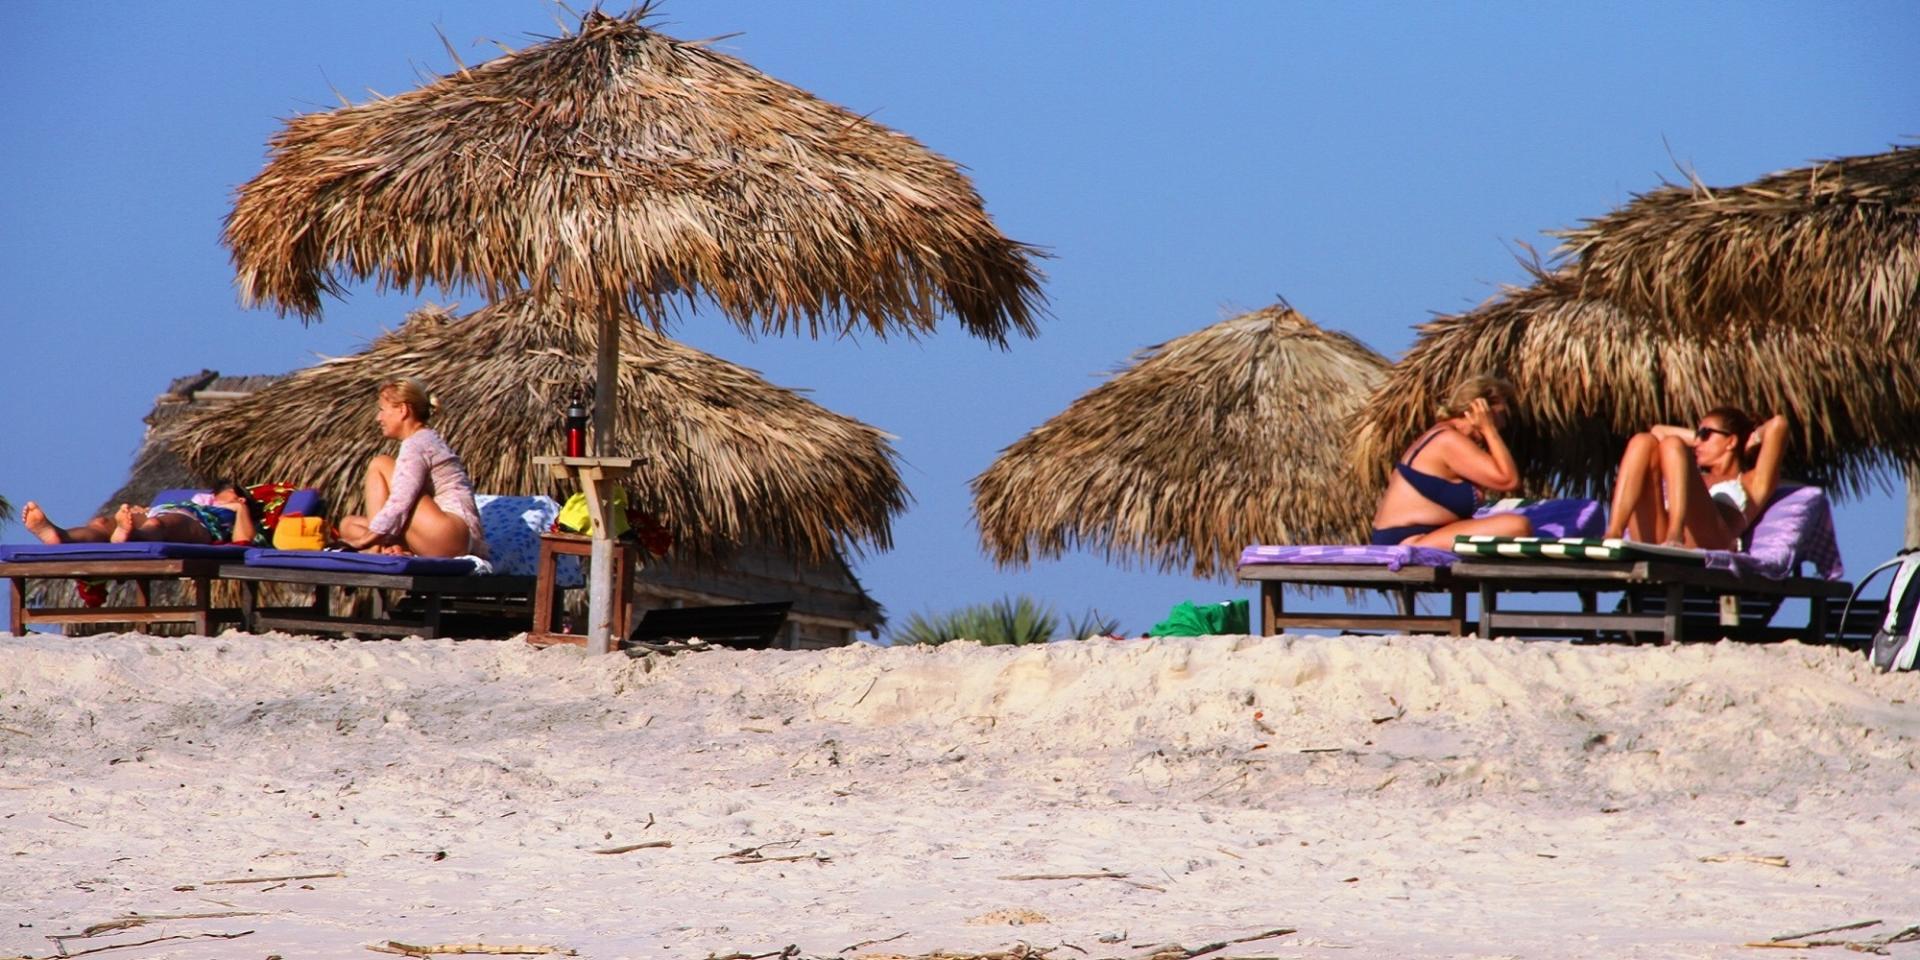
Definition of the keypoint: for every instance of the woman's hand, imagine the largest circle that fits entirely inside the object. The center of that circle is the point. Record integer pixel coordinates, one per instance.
(1480, 416)
(1774, 427)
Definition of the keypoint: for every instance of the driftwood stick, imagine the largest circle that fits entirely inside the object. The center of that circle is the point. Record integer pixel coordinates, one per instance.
(297, 876)
(1183, 953)
(142, 943)
(1747, 858)
(790, 950)
(631, 847)
(128, 923)
(429, 949)
(1102, 875)
(1814, 933)
(869, 943)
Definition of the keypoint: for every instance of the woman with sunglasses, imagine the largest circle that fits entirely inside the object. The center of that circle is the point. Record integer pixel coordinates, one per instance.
(1715, 478)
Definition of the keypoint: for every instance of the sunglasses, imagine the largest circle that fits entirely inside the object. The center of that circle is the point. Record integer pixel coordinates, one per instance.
(1703, 434)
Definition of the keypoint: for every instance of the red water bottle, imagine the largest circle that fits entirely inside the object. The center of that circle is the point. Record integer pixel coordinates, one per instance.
(577, 430)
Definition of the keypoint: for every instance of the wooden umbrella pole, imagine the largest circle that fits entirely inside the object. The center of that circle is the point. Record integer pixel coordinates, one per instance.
(600, 590)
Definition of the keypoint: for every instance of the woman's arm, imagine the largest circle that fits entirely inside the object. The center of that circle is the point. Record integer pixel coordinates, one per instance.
(243, 528)
(1764, 478)
(410, 474)
(1492, 467)
(1662, 431)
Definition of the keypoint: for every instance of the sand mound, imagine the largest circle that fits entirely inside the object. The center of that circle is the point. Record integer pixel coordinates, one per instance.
(1420, 796)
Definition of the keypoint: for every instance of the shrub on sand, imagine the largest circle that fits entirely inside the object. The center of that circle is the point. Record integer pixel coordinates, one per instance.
(1007, 621)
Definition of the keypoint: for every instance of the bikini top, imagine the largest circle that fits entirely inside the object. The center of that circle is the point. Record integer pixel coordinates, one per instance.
(1455, 496)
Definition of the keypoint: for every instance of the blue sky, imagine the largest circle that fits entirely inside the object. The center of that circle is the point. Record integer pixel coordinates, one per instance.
(1373, 162)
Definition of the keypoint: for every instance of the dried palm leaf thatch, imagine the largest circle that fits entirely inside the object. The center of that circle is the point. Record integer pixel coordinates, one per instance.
(1589, 375)
(1834, 245)
(1224, 437)
(626, 168)
(731, 458)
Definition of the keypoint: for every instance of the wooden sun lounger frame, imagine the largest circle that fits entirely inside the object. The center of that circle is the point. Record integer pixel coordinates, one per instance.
(509, 600)
(197, 572)
(1631, 578)
(1403, 585)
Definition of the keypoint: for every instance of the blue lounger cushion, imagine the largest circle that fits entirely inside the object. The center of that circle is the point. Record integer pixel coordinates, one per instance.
(346, 562)
(134, 550)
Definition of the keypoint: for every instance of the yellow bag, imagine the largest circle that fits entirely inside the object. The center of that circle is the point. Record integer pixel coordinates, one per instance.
(575, 517)
(300, 533)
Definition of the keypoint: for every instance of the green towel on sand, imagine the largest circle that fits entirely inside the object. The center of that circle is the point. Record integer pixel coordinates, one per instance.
(1187, 619)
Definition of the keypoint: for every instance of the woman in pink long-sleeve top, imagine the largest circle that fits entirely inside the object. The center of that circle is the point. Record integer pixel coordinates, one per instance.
(424, 497)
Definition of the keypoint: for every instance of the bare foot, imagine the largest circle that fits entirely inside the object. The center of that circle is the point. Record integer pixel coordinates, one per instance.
(36, 522)
(122, 524)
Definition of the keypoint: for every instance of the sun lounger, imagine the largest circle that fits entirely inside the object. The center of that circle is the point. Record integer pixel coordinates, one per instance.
(1671, 592)
(1402, 573)
(437, 596)
(144, 564)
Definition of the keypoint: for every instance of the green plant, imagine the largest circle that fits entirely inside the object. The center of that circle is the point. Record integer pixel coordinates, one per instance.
(1006, 621)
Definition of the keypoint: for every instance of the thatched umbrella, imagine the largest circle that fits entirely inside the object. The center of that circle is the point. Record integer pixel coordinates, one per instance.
(1588, 375)
(1833, 245)
(732, 459)
(1221, 438)
(625, 169)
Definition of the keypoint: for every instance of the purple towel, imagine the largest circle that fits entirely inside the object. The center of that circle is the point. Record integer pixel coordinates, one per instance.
(1556, 518)
(1796, 528)
(1393, 558)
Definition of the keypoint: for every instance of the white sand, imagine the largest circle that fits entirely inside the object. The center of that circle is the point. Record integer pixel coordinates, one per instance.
(1479, 798)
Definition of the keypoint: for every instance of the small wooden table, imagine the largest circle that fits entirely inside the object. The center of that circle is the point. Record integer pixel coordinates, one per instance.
(546, 598)
(597, 477)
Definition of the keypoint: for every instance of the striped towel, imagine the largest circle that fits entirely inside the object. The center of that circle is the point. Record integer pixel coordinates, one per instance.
(1573, 548)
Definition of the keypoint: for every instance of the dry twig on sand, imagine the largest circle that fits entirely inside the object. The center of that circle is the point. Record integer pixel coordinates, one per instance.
(631, 847)
(429, 949)
(297, 876)
(63, 954)
(141, 920)
(1102, 875)
(1174, 951)
(754, 854)
(1747, 858)
(1876, 945)
(868, 943)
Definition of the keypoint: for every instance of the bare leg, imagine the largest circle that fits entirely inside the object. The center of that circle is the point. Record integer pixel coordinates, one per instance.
(1684, 488)
(170, 528)
(376, 488)
(1636, 492)
(35, 520)
(1498, 525)
(432, 532)
(1694, 520)
(379, 482)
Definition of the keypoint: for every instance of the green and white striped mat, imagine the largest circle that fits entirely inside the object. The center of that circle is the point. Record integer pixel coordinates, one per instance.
(1572, 548)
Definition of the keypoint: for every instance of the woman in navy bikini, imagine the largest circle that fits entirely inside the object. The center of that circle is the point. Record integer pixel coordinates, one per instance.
(1430, 497)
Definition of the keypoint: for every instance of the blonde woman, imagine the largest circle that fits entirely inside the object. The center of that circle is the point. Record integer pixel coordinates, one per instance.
(423, 499)
(1431, 496)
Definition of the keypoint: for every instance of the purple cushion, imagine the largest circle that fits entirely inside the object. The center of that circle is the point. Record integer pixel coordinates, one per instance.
(346, 562)
(137, 550)
(1391, 557)
(1567, 517)
(1796, 527)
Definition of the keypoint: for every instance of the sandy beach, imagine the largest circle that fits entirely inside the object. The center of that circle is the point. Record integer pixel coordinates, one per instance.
(1412, 797)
